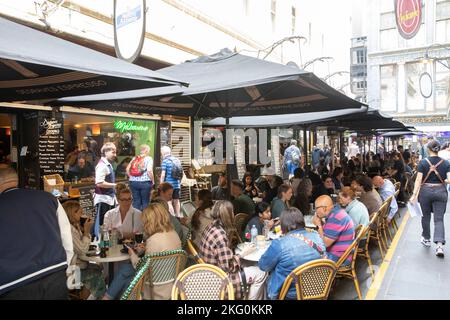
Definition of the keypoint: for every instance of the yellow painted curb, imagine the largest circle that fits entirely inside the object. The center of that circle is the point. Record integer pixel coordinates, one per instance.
(379, 276)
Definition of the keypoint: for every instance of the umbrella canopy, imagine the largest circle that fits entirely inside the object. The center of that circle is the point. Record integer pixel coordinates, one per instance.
(35, 65)
(285, 120)
(228, 84)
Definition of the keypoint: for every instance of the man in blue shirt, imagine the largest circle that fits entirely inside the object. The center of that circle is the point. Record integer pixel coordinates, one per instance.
(166, 176)
(292, 157)
(386, 189)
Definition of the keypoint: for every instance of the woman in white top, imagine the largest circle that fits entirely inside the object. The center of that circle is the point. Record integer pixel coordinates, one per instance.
(91, 274)
(124, 218)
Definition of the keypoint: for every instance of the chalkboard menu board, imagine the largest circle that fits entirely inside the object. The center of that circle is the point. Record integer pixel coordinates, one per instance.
(87, 200)
(51, 145)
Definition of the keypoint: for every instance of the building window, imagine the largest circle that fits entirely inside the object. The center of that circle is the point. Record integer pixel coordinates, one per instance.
(294, 18)
(442, 86)
(388, 87)
(443, 21)
(414, 99)
(273, 13)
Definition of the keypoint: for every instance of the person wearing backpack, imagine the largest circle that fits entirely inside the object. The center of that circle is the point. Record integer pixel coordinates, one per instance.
(140, 171)
(172, 172)
(430, 189)
(292, 158)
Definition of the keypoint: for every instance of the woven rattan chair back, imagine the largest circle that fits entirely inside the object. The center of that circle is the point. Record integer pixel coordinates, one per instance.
(155, 269)
(202, 282)
(193, 251)
(312, 280)
(352, 249)
(397, 185)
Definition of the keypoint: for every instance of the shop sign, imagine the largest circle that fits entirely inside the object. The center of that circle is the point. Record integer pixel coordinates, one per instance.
(129, 28)
(408, 15)
(123, 126)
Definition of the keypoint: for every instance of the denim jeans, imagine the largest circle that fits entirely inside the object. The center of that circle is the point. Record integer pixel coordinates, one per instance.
(141, 193)
(121, 281)
(433, 199)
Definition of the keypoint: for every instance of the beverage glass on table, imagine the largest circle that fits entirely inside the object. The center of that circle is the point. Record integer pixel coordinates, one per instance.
(139, 237)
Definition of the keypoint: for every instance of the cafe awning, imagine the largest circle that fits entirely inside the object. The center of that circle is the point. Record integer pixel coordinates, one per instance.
(36, 65)
(285, 120)
(228, 84)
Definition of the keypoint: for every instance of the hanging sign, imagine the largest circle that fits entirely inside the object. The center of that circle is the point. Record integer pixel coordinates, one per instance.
(408, 14)
(129, 28)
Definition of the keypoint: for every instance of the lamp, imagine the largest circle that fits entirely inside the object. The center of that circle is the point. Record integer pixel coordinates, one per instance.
(95, 129)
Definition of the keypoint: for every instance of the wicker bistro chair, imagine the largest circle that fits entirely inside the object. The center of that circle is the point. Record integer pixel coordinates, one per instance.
(240, 222)
(397, 185)
(155, 269)
(350, 271)
(363, 251)
(376, 232)
(312, 280)
(202, 282)
(384, 221)
(192, 250)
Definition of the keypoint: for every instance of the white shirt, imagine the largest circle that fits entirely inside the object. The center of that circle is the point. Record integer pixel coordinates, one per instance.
(101, 171)
(444, 154)
(131, 223)
(66, 232)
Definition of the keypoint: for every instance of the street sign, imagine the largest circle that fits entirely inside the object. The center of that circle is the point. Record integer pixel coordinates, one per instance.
(129, 28)
(408, 15)
(426, 85)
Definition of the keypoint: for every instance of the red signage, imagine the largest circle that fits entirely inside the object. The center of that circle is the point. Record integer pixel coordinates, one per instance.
(408, 15)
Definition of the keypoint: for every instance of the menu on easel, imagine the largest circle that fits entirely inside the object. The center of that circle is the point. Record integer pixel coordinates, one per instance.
(51, 145)
(87, 200)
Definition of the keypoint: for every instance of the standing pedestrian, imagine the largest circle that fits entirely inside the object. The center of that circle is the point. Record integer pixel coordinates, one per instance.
(172, 172)
(105, 184)
(432, 195)
(36, 242)
(292, 158)
(140, 171)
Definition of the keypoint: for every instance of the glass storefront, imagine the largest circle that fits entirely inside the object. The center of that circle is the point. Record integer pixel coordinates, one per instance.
(85, 135)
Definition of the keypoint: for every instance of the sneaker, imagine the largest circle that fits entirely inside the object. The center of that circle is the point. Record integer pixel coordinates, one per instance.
(439, 251)
(426, 242)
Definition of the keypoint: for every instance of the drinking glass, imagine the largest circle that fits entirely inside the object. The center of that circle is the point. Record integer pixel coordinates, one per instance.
(139, 237)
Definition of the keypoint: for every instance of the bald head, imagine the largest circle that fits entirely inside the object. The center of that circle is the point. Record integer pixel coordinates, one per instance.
(377, 181)
(8, 178)
(324, 205)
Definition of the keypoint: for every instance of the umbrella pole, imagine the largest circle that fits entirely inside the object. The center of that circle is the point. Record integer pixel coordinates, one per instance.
(229, 166)
(305, 148)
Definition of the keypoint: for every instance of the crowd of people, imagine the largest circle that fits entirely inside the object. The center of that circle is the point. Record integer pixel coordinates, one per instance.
(337, 203)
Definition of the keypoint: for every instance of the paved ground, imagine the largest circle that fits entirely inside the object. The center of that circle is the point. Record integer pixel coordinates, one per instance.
(414, 273)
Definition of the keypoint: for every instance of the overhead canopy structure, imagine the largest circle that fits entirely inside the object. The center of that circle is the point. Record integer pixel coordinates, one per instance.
(35, 65)
(284, 120)
(228, 84)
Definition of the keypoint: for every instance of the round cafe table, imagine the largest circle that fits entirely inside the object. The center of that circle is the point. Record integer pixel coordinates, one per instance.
(257, 254)
(113, 255)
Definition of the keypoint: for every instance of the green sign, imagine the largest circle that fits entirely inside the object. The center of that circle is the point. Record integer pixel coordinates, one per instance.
(141, 132)
(130, 125)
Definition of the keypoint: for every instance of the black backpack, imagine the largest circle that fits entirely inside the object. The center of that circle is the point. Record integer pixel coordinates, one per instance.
(177, 168)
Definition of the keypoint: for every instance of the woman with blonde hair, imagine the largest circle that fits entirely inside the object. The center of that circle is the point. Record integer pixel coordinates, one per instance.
(217, 246)
(161, 236)
(140, 171)
(91, 275)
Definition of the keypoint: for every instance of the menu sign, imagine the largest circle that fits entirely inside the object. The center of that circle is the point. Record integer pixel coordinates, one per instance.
(51, 145)
(87, 200)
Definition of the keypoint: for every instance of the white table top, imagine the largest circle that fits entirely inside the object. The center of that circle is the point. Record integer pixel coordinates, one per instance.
(257, 254)
(113, 255)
